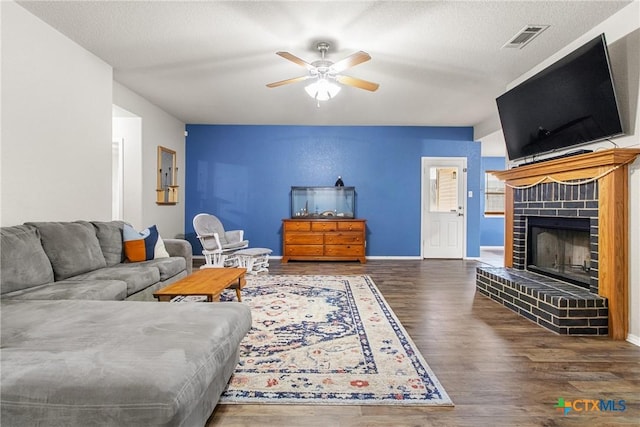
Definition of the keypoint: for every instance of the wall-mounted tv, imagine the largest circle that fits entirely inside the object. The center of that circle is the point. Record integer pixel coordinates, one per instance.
(569, 103)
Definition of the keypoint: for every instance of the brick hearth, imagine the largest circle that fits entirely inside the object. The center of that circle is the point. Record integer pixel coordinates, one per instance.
(558, 306)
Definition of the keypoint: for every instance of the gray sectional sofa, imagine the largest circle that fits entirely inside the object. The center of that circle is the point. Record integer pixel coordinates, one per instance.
(83, 260)
(82, 345)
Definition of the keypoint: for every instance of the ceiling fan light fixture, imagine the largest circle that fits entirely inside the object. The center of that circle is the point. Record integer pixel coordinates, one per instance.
(325, 75)
(322, 89)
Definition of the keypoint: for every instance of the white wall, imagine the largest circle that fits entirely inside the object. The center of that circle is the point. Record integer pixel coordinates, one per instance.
(56, 125)
(493, 145)
(158, 128)
(622, 32)
(57, 131)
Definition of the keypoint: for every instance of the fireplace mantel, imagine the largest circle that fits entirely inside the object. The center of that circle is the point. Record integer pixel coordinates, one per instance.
(581, 166)
(610, 167)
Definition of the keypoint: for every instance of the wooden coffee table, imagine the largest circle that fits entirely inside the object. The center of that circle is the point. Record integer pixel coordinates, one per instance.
(207, 281)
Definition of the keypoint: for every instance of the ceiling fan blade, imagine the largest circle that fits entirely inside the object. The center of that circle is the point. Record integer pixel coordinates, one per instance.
(359, 83)
(351, 61)
(286, 82)
(293, 58)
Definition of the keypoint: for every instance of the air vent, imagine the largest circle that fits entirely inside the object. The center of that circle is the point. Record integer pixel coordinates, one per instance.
(524, 36)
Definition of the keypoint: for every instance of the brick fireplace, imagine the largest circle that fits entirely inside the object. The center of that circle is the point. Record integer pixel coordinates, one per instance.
(546, 190)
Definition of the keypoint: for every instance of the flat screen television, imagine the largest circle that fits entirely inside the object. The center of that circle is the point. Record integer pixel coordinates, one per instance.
(569, 103)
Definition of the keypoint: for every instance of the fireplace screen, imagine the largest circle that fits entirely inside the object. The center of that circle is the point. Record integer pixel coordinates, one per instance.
(559, 247)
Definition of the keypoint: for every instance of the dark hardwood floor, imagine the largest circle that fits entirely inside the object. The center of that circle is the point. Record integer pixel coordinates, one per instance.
(498, 368)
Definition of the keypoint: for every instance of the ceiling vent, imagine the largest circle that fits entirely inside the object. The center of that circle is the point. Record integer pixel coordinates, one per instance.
(524, 36)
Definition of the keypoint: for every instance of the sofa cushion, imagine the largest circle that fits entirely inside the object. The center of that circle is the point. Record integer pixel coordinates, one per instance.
(72, 247)
(137, 278)
(117, 363)
(180, 248)
(105, 290)
(167, 267)
(109, 235)
(23, 261)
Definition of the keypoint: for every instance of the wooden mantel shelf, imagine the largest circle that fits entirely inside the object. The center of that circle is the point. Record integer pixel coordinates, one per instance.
(611, 169)
(581, 166)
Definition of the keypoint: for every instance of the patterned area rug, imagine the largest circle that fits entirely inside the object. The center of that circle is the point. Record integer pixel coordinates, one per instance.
(327, 340)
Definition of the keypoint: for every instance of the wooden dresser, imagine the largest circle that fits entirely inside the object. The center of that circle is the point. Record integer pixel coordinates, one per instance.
(323, 240)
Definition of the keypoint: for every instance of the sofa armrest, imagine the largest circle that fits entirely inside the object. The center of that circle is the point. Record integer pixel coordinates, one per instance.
(179, 247)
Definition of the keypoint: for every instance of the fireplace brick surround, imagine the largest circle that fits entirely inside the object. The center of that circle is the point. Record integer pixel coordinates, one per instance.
(553, 199)
(539, 190)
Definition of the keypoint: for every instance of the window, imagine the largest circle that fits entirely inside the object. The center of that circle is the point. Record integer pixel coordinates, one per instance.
(493, 195)
(444, 189)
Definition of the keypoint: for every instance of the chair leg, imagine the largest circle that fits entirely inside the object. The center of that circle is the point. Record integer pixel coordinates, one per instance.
(207, 258)
(213, 259)
(219, 259)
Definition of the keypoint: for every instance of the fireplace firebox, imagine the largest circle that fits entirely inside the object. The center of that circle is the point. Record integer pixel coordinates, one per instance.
(559, 247)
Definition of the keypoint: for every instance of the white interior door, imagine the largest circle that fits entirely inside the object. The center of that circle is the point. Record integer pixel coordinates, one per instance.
(444, 183)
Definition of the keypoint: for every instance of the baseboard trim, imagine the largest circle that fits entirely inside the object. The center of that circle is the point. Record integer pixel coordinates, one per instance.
(396, 258)
(201, 257)
(634, 339)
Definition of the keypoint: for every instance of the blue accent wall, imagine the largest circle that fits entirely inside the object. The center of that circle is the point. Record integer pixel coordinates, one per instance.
(244, 174)
(491, 227)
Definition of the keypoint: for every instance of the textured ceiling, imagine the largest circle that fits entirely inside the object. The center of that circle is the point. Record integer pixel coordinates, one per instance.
(439, 63)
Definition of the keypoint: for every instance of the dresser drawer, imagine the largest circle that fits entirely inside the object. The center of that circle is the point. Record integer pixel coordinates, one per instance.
(303, 250)
(350, 225)
(297, 226)
(324, 226)
(344, 250)
(302, 238)
(343, 238)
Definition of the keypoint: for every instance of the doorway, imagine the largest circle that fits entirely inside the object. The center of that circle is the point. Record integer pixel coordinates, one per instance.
(443, 224)
(117, 179)
(127, 178)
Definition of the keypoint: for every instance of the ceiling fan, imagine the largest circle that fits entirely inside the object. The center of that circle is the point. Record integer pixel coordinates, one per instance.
(325, 73)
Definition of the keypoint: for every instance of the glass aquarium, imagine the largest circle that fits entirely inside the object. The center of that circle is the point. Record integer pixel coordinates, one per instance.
(323, 202)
